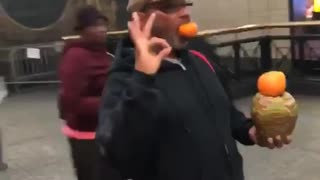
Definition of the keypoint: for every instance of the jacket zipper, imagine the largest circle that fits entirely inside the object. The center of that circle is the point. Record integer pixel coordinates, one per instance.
(219, 134)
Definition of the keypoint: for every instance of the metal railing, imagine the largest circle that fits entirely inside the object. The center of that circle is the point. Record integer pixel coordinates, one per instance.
(260, 47)
(21, 70)
(18, 67)
(261, 43)
(224, 31)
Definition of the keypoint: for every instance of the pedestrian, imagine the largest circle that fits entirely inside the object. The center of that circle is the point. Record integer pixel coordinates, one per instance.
(82, 72)
(165, 115)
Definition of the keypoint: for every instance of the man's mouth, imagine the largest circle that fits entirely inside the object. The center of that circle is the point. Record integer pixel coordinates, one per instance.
(182, 23)
(186, 19)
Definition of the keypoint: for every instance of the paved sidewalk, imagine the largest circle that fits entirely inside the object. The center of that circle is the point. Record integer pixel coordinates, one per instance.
(33, 146)
(35, 149)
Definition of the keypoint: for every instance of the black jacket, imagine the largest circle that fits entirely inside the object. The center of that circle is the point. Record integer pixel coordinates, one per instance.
(176, 125)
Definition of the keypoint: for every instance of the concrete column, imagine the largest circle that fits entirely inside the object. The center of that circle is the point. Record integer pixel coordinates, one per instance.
(3, 94)
(3, 89)
(3, 166)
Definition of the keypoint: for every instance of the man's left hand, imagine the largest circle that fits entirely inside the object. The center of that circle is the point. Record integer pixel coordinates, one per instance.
(276, 142)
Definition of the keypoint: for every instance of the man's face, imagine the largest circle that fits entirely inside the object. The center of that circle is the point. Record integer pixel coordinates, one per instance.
(168, 19)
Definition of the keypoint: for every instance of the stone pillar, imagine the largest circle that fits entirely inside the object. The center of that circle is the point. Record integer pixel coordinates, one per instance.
(3, 166)
(3, 94)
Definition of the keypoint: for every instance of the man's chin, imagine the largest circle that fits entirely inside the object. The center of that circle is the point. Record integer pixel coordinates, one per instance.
(182, 43)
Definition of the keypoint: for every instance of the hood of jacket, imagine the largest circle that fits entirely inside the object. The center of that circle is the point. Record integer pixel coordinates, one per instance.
(81, 43)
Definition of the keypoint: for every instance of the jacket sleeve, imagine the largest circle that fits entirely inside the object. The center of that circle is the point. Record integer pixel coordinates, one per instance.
(74, 82)
(240, 126)
(127, 119)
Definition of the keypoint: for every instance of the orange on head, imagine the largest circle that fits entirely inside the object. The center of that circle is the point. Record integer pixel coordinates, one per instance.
(188, 30)
(272, 83)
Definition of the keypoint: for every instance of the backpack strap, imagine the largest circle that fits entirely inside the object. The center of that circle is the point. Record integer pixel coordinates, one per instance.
(203, 58)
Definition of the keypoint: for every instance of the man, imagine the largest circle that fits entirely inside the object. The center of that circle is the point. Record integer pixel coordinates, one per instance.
(165, 115)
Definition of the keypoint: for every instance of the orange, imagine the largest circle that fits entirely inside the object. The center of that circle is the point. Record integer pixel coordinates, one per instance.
(188, 30)
(272, 83)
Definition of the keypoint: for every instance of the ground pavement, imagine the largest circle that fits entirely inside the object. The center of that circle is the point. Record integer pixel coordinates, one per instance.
(35, 150)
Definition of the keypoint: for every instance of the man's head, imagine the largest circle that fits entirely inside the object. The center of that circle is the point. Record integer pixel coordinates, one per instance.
(91, 24)
(170, 14)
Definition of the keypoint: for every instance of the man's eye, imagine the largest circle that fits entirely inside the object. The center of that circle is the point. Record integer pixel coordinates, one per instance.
(171, 8)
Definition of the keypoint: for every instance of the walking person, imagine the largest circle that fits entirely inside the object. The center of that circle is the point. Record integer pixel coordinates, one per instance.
(165, 114)
(82, 72)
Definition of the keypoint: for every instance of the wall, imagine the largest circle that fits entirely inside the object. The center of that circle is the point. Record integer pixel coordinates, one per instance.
(208, 13)
(215, 14)
(13, 33)
(231, 13)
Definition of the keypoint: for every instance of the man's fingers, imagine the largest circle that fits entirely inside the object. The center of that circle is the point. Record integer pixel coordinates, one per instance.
(164, 53)
(159, 42)
(134, 28)
(253, 134)
(161, 46)
(148, 26)
(136, 20)
(278, 141)
(288, 140)
(133, 31)
(130, 28)
(271, 143)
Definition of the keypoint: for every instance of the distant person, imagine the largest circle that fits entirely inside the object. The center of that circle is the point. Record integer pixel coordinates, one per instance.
(313, 9)
(312, 12)
(82, 72)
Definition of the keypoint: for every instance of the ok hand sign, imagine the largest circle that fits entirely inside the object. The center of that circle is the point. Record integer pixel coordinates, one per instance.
(147, 60)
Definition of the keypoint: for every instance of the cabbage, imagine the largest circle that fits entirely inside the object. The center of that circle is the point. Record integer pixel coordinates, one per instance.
(274, 116)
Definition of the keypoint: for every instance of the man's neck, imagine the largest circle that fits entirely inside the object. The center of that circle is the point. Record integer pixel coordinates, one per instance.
(173, 55)
(176, 53)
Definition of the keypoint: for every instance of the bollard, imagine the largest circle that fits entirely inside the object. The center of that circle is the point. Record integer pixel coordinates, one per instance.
(3, 94)
(3, 89)
(3, 166)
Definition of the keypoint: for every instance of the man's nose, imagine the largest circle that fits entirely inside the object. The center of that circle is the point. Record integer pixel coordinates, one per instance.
(184, 13)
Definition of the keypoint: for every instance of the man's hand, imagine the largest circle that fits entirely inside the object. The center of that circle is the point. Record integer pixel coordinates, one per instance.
(149, 51)
(277, 142)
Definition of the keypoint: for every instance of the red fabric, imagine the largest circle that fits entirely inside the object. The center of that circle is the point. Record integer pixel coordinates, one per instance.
(82, 72)
(202, 57)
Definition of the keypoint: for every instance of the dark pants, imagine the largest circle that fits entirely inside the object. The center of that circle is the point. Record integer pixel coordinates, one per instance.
(88, 163)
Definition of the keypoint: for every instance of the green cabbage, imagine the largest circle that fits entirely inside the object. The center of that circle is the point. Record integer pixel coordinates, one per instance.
(274, 116)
